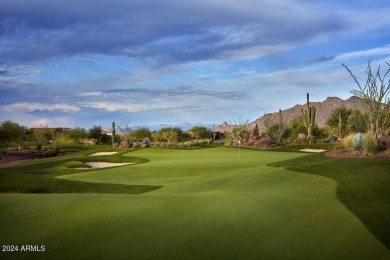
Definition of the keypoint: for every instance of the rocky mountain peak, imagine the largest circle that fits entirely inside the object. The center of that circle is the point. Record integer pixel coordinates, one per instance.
(324, 110)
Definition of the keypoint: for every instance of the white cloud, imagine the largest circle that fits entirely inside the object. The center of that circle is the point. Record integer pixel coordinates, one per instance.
(110, 107)
(40, 122)
(25, 106)
(365, 53)
(31, 69)
(255, 52)
(50, 122)
(89, 94)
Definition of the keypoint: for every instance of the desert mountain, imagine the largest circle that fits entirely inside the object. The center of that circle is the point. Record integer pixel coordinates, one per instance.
(323, 110)
(225, 127)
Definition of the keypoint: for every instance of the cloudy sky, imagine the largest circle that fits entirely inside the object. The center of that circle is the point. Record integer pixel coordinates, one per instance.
(90, 62)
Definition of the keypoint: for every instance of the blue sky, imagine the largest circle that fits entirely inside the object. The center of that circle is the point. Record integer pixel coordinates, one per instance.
(90, 62)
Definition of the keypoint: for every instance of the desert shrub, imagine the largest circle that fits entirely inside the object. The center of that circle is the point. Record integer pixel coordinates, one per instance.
(369, 145)
(311, 139)
(347, 141)
(358, 141)
(146, 142)
(228, 142)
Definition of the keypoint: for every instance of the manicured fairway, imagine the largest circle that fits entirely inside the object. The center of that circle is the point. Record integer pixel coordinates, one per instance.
(214, 204)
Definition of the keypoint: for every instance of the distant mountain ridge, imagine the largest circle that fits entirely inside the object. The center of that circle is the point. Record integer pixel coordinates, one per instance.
(183, 126)
(324, 110)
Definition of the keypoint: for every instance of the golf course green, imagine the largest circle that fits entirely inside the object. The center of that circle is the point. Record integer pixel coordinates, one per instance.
(211, 203)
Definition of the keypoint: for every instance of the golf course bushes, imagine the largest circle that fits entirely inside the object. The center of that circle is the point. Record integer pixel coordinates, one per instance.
(206, 203)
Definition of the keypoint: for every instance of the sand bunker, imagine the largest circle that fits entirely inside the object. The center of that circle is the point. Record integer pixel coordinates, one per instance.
(312, 150)
(102, 153)
(105, 164)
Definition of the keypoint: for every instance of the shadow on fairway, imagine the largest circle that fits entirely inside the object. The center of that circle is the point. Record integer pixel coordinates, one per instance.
(28, 183)
(39, 177)
(363, 186)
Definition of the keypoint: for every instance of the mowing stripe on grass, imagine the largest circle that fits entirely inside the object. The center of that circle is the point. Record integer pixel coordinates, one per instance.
(213, 204)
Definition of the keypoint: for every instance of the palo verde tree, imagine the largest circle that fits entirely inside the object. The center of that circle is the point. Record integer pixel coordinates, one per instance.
(200, 132)
(357, 122)
(339, 120)
(77, 134)
(41, 135)
(142, 133)
(375, 95)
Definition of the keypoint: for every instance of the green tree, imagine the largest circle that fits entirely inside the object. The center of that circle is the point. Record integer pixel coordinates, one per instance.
(41, 135)
(181, 136)
(357, 122)
(156, 137)
(297, 127)
(10, 132)
(96, 132)
(333, 121)
(200, 132)
(77, 134)
(142, 133)
(169, 135)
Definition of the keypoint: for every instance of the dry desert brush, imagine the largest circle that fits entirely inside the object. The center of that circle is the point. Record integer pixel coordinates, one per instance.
(375, 94)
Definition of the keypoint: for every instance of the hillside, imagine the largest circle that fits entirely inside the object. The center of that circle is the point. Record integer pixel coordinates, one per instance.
(323, 110)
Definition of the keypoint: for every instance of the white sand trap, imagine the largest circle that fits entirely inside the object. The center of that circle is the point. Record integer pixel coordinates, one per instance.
(105, 164)
(102, 153)
(312, 150)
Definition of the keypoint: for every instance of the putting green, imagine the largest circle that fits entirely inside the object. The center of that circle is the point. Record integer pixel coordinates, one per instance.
(214, 203)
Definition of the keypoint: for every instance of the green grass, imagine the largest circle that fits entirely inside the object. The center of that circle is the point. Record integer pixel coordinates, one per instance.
(297, 147)
(39, 176)
(76, 164)
(363, 187)
(211, 203)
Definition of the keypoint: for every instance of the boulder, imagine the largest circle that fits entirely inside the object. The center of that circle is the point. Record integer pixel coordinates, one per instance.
(255, 133)
(385, 139)
(267, 141)
(301, 137)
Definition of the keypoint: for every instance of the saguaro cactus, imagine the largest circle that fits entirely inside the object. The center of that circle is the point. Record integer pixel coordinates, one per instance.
(280, 119)
(308, 116)
(113, 134)
(281, 127)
